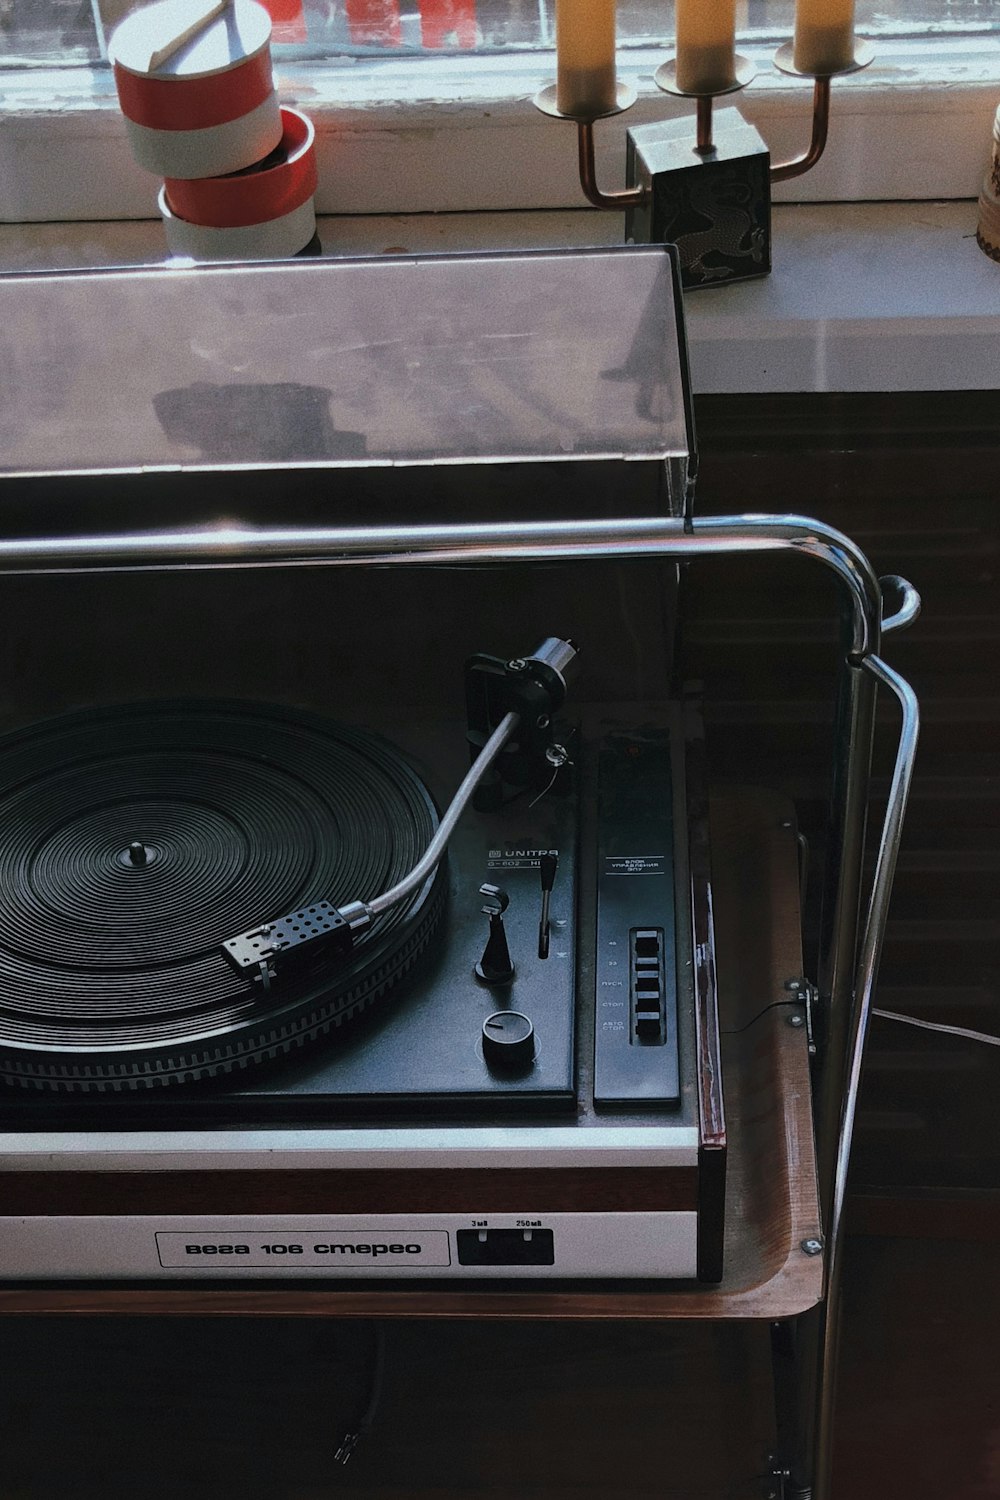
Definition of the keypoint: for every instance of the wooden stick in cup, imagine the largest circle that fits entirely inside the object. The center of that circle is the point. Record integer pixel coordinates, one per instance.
(188, 30)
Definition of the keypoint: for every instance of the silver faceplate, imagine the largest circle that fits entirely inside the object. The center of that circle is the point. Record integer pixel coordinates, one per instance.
(156, 1247)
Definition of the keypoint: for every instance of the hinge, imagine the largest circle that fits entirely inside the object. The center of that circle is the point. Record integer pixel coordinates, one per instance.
(807, 995)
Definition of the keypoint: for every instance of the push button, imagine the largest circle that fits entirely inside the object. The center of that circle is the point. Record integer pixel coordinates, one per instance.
(646, 985)
(646, 942)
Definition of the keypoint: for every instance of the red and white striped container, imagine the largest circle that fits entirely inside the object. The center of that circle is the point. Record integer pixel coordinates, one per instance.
(265, 212)
(210, 107)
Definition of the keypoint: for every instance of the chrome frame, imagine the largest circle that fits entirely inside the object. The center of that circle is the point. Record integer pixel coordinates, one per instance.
(848, 966)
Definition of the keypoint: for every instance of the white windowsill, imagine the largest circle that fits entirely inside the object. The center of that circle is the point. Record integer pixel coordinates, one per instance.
(863, 297)
(446, 134)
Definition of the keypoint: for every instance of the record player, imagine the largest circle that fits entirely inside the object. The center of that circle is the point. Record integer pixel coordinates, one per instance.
(378, 980)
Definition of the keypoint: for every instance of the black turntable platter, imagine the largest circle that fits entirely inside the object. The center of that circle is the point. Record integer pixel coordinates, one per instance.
(134, 841)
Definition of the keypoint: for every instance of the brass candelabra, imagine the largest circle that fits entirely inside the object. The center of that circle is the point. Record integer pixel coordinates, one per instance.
(710, 196)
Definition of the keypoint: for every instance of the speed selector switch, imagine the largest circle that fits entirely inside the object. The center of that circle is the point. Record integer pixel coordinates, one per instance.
(508, 1040)
(495, 966)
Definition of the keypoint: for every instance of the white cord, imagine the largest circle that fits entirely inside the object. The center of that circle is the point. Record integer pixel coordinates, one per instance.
(976, 1036)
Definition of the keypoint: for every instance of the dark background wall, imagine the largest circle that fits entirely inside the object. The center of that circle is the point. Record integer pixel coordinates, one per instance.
(914, 480)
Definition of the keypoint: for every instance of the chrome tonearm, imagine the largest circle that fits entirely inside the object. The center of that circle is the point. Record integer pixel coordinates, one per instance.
(502, 696)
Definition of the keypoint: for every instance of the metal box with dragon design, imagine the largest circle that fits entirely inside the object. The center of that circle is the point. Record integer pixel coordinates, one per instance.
(713, 204)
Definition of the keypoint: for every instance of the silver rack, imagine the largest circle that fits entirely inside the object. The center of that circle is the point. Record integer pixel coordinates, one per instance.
(403, 362)
(851, 949)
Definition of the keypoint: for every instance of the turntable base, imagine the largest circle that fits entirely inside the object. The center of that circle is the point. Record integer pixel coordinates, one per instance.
(771, 1200)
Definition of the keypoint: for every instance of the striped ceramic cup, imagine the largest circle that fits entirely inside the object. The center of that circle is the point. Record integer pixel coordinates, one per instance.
(204, 104)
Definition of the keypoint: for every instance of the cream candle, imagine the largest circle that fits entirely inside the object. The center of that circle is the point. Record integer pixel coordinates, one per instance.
(585, 57)
(824, 36)
(706, 45)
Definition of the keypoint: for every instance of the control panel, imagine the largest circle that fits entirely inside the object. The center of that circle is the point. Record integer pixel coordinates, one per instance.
(636, 1061)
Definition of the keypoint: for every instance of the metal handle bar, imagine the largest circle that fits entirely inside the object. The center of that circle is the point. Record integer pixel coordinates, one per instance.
(878, 902)
(513, 541)
(909, 603)
(866, 974)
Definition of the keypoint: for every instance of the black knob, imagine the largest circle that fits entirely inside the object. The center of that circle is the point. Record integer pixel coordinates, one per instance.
(508, 1040)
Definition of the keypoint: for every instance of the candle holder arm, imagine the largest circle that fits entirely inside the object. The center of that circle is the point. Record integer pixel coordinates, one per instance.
(820, 127)
(622, 198)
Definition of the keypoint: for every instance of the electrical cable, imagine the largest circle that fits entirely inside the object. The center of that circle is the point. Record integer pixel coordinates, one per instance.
(774, 1005)
(362, 1425)
(887, 1015)
(975, 1036)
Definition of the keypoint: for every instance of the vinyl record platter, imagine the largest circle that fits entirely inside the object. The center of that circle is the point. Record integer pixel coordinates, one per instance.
(137, 837)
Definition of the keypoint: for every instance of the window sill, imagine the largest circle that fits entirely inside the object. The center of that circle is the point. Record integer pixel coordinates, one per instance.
(446, 134)
(864, 297)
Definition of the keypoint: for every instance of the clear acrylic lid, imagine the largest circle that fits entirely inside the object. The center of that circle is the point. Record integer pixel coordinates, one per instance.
(575, 354)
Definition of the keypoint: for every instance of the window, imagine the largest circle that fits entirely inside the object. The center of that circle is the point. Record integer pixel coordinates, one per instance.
(64, 32)
(416, 110)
